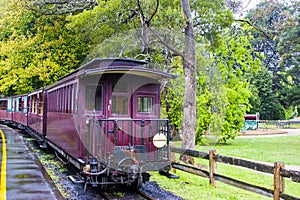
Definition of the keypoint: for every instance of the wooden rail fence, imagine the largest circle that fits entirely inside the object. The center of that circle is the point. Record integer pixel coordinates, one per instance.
(278, 170)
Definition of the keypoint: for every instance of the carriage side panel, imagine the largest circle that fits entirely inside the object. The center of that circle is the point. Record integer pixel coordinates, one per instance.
(63, 121)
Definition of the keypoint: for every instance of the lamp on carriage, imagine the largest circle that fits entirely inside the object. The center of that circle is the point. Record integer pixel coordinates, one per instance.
(159, 140)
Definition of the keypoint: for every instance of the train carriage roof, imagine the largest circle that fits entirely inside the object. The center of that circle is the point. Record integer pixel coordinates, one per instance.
(119, 65)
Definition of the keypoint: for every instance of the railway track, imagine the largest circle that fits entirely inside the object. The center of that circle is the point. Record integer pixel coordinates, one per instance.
(145, 195)
(138, 195)
(72, 190)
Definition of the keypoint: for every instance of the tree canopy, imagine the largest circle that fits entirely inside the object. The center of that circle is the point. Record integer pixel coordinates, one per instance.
(232, 66)
(277, 37)
(35, 50)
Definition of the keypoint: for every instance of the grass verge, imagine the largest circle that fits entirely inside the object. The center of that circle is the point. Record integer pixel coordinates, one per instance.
(285, 149)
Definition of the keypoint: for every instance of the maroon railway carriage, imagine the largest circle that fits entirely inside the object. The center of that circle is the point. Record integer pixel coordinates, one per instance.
(14, 110)
(106, 115)
(104, 118)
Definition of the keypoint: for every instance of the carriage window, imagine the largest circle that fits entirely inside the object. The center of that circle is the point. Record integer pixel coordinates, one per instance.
(74, 99)
(16, 104)
(93, 97)
(20, 106)
(25, 104)
(3, 105)
(40, 106)
(120, 96)
(120, 105)
(145, 104)
(33, 101)
(10, 105)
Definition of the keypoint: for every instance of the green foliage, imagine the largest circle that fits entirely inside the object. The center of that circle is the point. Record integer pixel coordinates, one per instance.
(38, 50)
(203, 112)
(278, 39)
(293, 96)
(211, 18)
(224, 89)
(289, 113)
(173, 104)
(106, 19)
(172, 96)
(265, 101)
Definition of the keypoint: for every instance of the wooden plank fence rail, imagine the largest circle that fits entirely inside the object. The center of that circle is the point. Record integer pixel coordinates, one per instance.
(245, 163)
(278, 171)
(292, 174)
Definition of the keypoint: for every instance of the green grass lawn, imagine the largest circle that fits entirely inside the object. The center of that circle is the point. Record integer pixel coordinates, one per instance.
(285, 149)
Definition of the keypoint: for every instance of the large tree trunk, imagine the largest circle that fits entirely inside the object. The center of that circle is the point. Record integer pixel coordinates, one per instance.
(189, 66)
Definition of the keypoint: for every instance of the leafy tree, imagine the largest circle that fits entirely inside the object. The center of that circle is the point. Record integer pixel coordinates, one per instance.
(37, 51)
(60, 7)
(172, 102)
(268, 106)
(228, 85)
(149, 14)
(277, 38)
(223, 88)
(289, 49)
(209, 21)
(222, 58)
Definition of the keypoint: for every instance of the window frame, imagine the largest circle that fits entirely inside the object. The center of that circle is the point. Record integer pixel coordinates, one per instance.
(155, 109)
(128, 104)
(3, 105)
(152, 104)
(127, 94)
(101, 110)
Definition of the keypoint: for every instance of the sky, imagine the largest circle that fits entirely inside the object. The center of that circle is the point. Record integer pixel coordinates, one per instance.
(247, 5)
(252, 3)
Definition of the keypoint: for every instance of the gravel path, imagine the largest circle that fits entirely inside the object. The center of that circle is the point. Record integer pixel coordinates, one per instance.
(270, 133)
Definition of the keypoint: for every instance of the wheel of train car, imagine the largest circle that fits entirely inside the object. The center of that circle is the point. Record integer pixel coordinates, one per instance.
(138, 182)
(104, 180)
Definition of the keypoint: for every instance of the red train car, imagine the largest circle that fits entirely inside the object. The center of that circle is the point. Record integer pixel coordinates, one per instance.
(104, 118)
(6, 109)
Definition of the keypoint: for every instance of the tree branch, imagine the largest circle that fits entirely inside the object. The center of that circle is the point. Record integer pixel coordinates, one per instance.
(256, 28)
(141, 10)
(160, 40)
(155, 11)
(147, 21)
(156, 34)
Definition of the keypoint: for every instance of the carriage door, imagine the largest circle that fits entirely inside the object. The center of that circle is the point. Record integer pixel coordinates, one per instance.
(119, 109)
(120, 101)
(131, 105)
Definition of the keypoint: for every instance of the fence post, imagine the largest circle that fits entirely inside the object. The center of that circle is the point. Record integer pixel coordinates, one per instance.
(212, 167)
(278, 180)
